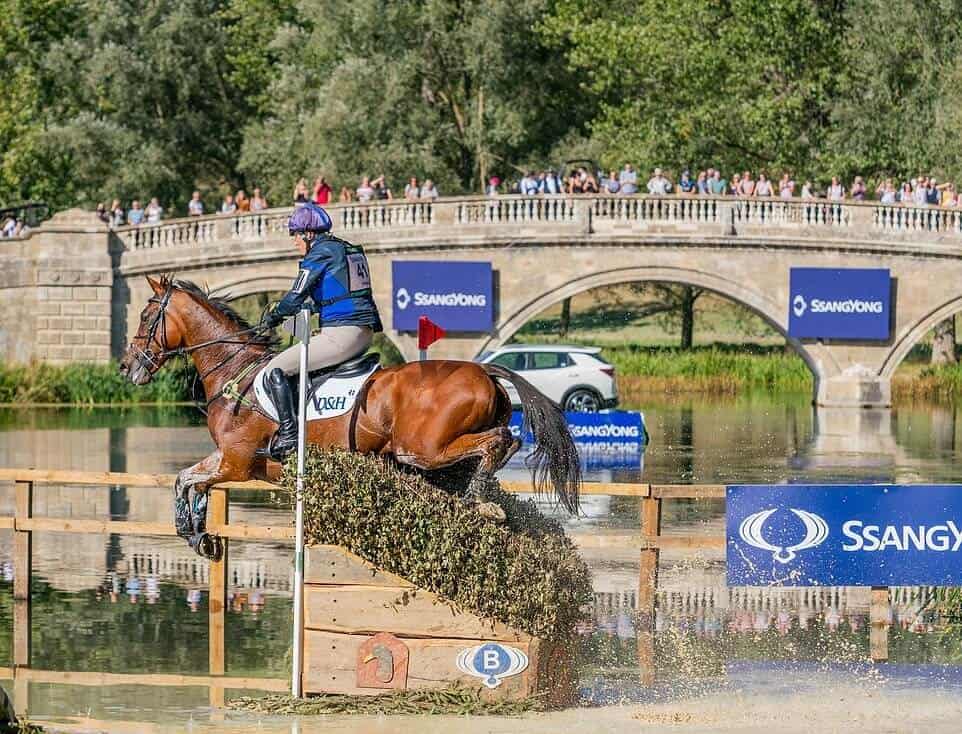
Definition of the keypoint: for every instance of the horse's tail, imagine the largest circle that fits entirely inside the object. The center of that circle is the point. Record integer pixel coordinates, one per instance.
(555, 458)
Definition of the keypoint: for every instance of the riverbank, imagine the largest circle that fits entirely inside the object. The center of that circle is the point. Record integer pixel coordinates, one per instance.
(717, 369)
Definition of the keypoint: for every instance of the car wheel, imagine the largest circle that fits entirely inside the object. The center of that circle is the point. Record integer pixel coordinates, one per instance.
(583, 401)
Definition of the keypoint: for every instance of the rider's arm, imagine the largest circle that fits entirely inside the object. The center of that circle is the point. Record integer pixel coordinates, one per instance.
(312, 269)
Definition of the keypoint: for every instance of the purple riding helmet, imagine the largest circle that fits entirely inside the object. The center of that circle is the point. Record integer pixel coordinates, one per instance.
(309, 218)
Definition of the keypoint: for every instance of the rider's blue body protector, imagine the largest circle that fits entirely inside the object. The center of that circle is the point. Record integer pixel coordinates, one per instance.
(336, 277)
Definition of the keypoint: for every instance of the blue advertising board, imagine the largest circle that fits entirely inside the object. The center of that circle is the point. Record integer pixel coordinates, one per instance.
(843, 303)
(458, 296)
(622, 427)
(844, 535)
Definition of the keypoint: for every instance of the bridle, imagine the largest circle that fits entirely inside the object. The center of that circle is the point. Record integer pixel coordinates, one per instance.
(153, 362)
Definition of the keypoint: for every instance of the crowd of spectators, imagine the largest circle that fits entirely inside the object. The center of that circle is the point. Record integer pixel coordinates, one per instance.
(921, 190)
(11, 226)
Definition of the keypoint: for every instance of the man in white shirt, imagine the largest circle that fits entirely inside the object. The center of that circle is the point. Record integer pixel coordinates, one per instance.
(629, 180)
(195, 207)
(658, 185)
(429, 190)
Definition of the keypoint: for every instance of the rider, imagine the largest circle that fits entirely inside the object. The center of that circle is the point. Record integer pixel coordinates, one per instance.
(334, 274)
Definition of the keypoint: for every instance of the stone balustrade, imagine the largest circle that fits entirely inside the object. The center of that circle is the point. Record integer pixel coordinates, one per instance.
(584, 213)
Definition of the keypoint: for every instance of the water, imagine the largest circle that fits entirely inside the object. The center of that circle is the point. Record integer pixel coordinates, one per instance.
(139, 605)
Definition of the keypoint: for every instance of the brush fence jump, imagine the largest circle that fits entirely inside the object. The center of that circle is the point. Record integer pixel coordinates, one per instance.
(368, 631)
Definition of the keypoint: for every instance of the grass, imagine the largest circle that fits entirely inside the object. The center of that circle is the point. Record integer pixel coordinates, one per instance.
(932, 383)
(89, 384)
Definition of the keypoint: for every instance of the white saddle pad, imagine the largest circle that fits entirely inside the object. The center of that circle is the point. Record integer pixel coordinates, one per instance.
(327, 396)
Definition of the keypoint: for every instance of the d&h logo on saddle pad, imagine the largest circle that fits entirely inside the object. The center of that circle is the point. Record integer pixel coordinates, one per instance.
(328, 395)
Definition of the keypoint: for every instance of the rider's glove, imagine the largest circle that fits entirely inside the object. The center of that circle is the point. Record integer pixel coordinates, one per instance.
(271, 319)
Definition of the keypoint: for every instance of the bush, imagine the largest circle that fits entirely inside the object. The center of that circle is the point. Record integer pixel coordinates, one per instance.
(525, 573)
(90, 384)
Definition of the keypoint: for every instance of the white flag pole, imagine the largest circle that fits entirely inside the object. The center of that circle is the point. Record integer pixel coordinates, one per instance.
(302, 330)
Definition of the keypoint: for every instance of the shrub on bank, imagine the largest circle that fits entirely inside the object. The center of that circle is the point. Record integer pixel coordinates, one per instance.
(709, 369)
(89, 384)
(525, 573)
(936, 383)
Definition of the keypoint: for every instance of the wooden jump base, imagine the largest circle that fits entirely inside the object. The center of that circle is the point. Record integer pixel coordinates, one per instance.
(368, 631)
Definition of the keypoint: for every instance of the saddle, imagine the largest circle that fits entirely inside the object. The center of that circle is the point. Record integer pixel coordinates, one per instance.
(331, 391)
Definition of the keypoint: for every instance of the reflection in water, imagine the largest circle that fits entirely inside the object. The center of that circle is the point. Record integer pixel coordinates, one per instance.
(121, 604)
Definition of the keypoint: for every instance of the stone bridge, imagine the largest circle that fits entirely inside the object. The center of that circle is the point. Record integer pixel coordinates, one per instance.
(72, 289)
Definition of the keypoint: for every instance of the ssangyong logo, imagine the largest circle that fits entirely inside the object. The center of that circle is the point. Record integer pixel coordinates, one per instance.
(753, 527)
(799, 305)
(402, 298)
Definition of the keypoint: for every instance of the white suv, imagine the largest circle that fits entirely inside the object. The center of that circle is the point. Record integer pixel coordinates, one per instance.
(576, 378)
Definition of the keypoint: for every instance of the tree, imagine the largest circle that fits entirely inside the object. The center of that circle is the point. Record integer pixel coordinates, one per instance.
(446, 89)
(943, 342)
(735, 83)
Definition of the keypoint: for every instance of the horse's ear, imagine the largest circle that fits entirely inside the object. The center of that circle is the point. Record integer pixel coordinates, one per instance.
(155, 284)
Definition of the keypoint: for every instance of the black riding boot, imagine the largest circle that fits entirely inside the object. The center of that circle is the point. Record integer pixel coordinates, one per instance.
(285, 440)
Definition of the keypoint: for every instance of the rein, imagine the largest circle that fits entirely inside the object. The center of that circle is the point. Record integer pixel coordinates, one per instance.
(230, 389)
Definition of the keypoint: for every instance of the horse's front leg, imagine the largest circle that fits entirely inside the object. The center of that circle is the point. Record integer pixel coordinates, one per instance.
(190, 504)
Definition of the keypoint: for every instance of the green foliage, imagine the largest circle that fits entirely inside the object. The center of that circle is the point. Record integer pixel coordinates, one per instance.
(745, 83)
(90, 384)
(525, 573)
(938, 383)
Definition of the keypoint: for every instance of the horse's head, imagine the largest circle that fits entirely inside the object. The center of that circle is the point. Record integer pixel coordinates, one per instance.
(158, 335)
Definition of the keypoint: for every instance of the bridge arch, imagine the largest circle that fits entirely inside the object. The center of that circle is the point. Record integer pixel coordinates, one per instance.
(903, 345)
(251, 286)
(760, 303)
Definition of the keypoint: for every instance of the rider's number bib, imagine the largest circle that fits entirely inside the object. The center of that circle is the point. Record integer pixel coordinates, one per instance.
(359, 275)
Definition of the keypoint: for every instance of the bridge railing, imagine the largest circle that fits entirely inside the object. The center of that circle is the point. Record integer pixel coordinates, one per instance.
(581, 212)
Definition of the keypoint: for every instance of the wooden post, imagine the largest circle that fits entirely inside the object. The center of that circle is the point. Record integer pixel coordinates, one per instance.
(879, 621)
(647, 588)
(217, 516)
(22, 566)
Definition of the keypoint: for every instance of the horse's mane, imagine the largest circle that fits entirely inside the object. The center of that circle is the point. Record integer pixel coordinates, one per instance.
(221, 305)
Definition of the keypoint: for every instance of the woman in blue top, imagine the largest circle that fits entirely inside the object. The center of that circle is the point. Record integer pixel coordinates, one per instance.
(334, 275)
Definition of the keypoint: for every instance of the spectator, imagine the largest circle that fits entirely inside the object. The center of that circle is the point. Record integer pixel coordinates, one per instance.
(590, 185)
(116, 214)
(102, 214)
(9, 227)
(886, 192)
(932, 197)
(736, 185)
(575, 183)
(322, 191)
(429, 191)
(920, 192)
(412, 192)
(347, 196)
(658, 185)
(136, 214)
(300, 191)
(551, 184)
(858, 189)
(258, 202)
(807, 192)
(611, 184)
(764, 187)
(747, 186)
(629, 180)
(685, 184)
(701, 184)
(906, 195)
(492, 189)
(228, 207)
(836, 192)
(528, 185)
(381, 190)
(786, 187)
(947, 195)
(243, 203)
(195, 207)
(365, 192)
(154, 211)
(717, 184)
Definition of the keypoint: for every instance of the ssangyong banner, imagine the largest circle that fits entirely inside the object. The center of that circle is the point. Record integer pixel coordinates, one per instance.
(458, 296)
(615, 427)
(838, 535)
(842, 303)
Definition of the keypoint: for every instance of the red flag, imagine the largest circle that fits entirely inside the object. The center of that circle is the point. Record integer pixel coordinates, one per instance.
(428, 332)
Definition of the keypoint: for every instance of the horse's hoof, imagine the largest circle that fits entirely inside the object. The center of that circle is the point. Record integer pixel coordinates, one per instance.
(491, 511)
(209, 546)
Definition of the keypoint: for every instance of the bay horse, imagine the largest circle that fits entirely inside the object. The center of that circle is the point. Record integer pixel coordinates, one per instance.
(427, 415)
